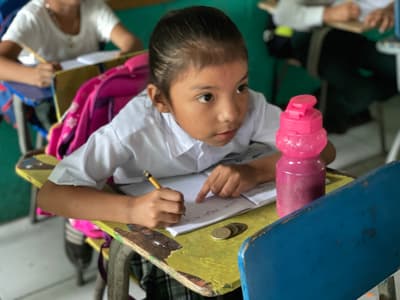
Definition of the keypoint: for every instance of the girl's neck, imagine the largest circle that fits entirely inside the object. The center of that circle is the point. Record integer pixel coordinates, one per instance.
(65, 17)
(62, 10)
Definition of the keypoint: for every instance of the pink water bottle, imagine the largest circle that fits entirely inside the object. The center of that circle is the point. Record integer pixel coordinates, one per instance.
(300, 173)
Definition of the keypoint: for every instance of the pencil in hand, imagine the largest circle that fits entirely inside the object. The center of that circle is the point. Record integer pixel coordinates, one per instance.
(152, 180)
(38, 57)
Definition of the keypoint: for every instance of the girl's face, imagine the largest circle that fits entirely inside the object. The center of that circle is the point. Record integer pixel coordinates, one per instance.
(210, 104)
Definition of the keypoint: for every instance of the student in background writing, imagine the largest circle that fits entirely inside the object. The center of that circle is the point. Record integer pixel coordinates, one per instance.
(197, 109)
(344, 54)
(59, 30)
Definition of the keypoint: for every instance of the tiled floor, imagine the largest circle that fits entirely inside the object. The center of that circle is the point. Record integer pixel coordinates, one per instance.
(33, 265)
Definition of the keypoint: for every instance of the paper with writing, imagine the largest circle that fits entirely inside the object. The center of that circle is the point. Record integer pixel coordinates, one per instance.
(212, 209)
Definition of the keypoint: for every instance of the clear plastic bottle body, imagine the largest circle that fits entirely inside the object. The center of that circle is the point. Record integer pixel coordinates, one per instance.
(299, 181)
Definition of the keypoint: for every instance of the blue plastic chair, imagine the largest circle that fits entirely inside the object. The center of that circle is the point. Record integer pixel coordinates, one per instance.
(339, 247)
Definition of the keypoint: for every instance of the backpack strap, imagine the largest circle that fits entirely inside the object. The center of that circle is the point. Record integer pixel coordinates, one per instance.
(137, 61)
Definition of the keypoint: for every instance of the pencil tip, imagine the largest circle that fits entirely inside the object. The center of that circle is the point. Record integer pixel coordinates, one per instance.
(146, 173)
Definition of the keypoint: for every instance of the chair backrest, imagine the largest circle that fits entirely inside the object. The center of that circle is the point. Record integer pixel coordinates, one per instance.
(67, 82)
(338, 247)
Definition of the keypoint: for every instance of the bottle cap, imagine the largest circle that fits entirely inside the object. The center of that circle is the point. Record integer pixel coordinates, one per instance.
(300, 132)
(300, 116)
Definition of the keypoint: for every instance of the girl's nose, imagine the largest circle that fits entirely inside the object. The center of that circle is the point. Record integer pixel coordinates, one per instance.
(229, 111)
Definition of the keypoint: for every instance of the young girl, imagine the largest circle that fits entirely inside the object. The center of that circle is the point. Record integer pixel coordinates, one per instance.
(59, 30)
(197, 109)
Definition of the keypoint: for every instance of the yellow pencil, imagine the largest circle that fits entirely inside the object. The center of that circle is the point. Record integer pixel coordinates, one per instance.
(152, 180)
(35, 54)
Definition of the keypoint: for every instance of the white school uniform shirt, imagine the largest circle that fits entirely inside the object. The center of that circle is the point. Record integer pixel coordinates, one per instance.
(141, 138)
(303, 15)
(33, 27)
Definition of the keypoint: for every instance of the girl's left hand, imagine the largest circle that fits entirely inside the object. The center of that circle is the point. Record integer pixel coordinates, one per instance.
(381, 19)
(228, 181)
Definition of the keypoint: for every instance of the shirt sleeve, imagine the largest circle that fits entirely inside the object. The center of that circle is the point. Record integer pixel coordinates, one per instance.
(104, 18)
(265, 120)
(94, 162)
(298, 16)
(22, 30)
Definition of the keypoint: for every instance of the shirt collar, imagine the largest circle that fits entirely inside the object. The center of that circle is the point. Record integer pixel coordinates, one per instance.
(179, 142)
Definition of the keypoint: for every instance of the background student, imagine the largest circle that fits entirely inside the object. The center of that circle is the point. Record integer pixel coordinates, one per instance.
(58, 30)
(197, 109)
(344, 54)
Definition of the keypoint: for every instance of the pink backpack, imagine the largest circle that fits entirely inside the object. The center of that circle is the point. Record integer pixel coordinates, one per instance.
(96, 103)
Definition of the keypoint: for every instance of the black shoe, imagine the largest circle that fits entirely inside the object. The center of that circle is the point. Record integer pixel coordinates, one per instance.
(361, 118)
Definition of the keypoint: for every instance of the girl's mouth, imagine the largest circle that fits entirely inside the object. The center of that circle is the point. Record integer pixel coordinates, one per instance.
(226, 135)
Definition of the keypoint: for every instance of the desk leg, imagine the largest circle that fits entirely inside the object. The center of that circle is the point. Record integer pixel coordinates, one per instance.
(24, 137)
(118, 271)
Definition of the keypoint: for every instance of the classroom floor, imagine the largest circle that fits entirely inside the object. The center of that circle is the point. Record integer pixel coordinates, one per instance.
(33, 264)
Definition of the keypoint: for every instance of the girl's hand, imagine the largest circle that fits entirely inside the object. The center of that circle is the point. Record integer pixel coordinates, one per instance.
(228, 181)
(342, 12)
(43, 74)
(382, 19)
(157, 209)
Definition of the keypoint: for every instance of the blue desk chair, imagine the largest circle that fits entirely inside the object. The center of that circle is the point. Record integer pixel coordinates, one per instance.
(338, 247)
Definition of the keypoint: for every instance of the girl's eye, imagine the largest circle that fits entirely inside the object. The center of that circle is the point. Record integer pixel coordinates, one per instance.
(205, 98)
(242, 88)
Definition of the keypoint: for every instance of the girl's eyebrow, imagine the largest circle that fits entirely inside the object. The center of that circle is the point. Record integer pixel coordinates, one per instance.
(207, 87)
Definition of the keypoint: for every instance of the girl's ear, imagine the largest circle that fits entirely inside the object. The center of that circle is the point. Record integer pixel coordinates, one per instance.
(157, 98)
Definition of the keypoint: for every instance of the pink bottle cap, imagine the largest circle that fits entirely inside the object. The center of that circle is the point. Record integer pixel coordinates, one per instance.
(301, 133)
(300, 117)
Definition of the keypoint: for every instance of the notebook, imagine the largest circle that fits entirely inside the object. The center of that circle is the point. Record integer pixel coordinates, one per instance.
(89, 59)
(213, 208)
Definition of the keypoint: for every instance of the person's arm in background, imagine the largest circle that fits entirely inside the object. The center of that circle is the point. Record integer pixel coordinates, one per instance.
(12, 70)
(125, 40)
(302, 18)
(382, 18)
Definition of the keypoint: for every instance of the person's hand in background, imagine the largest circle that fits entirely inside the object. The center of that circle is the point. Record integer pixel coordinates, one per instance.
(342, 12)
(382, 18)
(43, 73)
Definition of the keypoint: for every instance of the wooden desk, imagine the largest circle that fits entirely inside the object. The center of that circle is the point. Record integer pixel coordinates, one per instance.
(206, 266)
(352, 26)
(26, 95)
(128, 4)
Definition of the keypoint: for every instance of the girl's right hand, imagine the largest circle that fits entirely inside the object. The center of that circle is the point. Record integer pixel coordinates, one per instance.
(342, 12)
(157, 209)
(43, 74)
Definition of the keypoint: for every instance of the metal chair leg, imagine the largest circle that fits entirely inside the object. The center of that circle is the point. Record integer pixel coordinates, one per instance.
(387, 289)
(394, 149)
(32, 209)
(24, 137)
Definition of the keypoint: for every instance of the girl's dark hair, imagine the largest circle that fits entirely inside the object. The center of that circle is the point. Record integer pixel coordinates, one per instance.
(195, 36)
